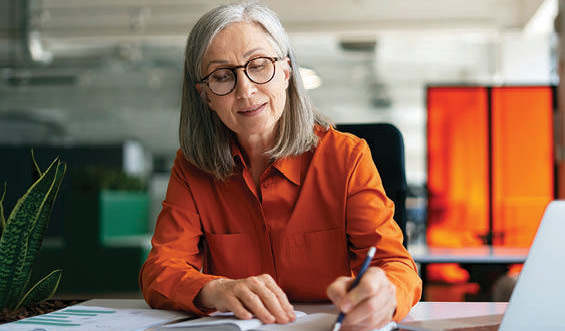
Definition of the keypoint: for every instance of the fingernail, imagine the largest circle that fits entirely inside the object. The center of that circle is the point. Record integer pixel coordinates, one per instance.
(291, 316)
(290, 312)
(346, 307)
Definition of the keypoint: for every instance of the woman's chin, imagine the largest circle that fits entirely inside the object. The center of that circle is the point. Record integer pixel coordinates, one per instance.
(258, 130)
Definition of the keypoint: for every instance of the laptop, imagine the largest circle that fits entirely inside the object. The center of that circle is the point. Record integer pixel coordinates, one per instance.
(537, 300)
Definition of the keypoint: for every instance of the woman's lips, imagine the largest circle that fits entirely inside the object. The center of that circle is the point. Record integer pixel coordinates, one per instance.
(251, 111)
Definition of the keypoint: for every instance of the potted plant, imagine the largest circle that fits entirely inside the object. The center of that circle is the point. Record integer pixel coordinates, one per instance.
(119, 203)
(22, 234)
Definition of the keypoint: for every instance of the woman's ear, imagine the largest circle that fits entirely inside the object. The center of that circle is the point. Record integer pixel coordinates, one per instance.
(202, 92)
(287, 70)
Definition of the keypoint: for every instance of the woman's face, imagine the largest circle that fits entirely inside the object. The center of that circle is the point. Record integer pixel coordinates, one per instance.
(250, 109)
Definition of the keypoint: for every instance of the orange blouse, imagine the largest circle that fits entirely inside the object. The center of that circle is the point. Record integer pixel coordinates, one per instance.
(314, 220)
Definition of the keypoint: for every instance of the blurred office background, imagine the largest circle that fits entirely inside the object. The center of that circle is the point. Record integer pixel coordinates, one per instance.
(103, 78)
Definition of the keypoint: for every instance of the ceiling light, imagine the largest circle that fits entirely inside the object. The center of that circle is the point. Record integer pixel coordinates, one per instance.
(310, 79)
(37, 51)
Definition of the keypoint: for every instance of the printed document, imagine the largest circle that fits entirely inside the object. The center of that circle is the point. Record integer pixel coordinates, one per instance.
(89, 318)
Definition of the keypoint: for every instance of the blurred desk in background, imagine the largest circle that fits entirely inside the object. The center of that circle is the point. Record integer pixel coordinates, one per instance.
(481, 262)
(474, 255)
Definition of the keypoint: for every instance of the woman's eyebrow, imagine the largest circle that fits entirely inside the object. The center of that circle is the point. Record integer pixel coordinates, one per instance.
(254, 50)
(216, 62)
(245, 55)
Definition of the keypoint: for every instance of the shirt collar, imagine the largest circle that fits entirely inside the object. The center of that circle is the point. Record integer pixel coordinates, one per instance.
(236, 154)
(290, 167)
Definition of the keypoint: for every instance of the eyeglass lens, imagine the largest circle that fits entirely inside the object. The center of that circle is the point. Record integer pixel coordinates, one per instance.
(260, 70)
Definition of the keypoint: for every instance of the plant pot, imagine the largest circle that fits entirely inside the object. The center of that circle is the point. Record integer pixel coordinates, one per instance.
(37, 309)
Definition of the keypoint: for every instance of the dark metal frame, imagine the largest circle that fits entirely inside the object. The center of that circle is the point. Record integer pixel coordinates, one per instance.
(244, 67)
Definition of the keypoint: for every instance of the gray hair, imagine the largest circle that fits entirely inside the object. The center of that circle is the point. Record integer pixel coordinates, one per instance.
(204, 139)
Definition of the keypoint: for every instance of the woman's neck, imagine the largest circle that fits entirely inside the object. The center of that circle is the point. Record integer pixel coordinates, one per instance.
(255, 148)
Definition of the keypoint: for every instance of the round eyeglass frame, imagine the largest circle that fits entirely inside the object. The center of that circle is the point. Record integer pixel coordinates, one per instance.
(244, 67)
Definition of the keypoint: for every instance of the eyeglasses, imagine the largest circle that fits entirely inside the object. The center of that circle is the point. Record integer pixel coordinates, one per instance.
(259, 70)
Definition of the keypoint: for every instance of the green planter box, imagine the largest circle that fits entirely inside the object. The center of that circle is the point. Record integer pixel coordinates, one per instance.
(94, 217)
(123, 213)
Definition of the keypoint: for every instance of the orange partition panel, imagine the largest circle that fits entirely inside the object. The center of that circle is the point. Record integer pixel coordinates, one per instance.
(458, 166)
(522, 162)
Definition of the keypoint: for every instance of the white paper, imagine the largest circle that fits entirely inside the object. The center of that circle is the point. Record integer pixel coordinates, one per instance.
(315, 322)
(89, 318)
(312, 322)
(303, 322)
(225, 319)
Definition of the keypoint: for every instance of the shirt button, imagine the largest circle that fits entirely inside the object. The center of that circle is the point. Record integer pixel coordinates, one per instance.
(266, 184)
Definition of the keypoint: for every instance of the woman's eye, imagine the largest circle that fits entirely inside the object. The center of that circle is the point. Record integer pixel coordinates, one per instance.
(257, 65)
(222, 75)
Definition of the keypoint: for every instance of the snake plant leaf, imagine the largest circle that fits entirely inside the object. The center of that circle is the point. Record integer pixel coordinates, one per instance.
(38, 232)
(35, 171)
(18, 245)
(43, 290)
(2, 219)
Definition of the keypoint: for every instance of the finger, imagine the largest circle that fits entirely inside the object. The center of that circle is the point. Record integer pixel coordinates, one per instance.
(375, 309)
(246, 293)
(337, 290)
(370, 323)
(370, 284)
(282, 300)
(269, 300)
(233, 304)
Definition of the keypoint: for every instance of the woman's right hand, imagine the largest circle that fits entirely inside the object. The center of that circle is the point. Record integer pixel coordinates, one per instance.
(255, 295)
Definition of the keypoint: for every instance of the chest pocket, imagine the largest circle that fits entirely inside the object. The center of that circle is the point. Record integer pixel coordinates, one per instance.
(320, 255)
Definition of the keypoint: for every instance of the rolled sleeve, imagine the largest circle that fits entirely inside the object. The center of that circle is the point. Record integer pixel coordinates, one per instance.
(369, 217)
(171, 277)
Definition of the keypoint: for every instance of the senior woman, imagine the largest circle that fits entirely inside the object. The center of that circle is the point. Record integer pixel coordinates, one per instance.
(267, 203)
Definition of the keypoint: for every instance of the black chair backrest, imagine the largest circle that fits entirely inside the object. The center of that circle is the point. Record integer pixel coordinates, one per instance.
(387, 149)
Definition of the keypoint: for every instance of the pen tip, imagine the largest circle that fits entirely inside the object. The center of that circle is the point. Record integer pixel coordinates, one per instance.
(337, 326)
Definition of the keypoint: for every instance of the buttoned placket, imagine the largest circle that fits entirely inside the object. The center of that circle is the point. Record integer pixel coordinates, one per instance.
(264, 226)
(265, 183)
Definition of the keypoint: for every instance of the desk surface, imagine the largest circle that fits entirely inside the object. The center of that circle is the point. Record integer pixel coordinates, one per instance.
(479, 255)
(422, 311)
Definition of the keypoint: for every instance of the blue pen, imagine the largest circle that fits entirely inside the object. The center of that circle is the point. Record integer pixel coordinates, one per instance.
(364, 267)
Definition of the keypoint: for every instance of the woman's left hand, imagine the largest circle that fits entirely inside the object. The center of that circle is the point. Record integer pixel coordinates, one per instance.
(370, 305)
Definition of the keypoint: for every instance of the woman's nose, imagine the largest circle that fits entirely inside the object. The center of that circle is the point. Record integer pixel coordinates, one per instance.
(244, 86)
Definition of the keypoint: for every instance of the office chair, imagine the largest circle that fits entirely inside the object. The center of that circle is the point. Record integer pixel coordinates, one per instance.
(387, 148)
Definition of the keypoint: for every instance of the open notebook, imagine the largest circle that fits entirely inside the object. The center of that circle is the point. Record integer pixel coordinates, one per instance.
(537, 299)
(227, 322)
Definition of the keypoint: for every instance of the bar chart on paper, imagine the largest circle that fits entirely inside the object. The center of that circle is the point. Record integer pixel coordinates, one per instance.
(87, 318)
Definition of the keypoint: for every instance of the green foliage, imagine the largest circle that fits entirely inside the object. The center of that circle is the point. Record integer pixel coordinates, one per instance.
(22, 238)
(97, 178)
(2, 219)
(35, 171)
(43, 290)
